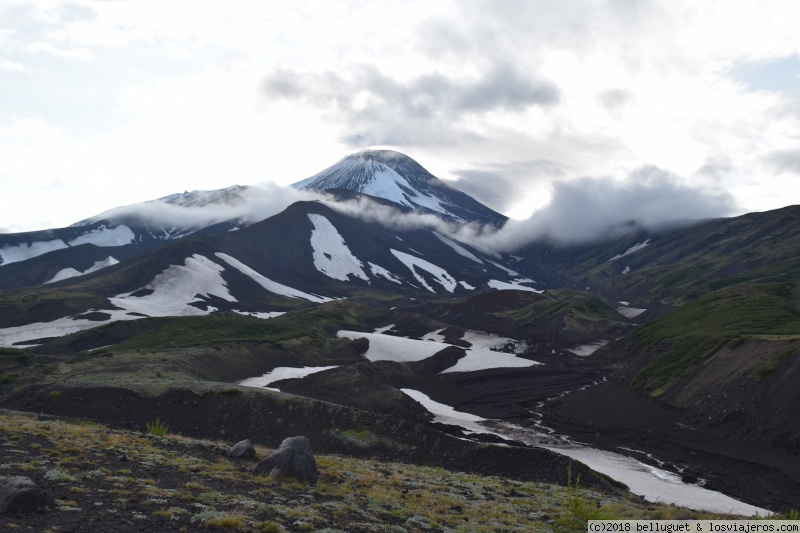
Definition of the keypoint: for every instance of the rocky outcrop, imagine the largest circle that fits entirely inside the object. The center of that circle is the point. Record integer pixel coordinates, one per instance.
(19, 494)
(242, 450)
(293, 458)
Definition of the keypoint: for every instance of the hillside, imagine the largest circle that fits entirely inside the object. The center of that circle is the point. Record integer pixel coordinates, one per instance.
(730, 358)
(107, 479)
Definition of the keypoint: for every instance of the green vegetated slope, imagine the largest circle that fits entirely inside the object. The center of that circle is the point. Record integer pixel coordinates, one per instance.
(557, 317)
(674, 344)
(681, 264)
(729, 357)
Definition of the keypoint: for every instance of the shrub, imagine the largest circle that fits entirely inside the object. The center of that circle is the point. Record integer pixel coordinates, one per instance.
(157, 427)
(577, 508)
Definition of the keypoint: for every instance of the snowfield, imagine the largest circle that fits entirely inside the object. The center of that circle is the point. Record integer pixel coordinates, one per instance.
(378, 270)
(67, 273)
(444, 414)
(332, 257)
(587, 349)
(21, 252)
(507, 270)
(403, 350)
(632, 249)
(272, 286)
(460, 250)
(630, 312)
(440, 275)
(261, 314)
(57, 328)
(390, 348)
(282, 372)
(103, 236)
(514, 285)
(177, 287)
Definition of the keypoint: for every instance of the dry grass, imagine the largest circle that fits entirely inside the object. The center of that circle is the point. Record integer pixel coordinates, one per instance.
(176, 483)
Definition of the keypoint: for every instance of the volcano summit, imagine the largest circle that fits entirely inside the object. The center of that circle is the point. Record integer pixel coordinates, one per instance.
(399, 179)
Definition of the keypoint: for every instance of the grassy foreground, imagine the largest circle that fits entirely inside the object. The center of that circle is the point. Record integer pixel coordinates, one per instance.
(105, 479)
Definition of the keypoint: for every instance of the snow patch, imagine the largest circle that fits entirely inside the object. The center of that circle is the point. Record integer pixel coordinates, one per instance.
(378, 270)
(272, 286)
(178, 286)
(56, 328)
(103, 236)
(435, 336)
(514, 285)
(391, 348)
(634, 248)
(444, 414)
(630, 312)
(12, 253)
(587, 349)
(440, 275)
(261, 314)
(508, 270)
(466, 285)
(460, 250)
(283, 372)
(332, 257)
(66, 273)
(404, 350)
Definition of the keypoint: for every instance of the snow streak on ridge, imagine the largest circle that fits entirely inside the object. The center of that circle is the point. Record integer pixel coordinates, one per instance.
(439, 274)
(332, 257)
(272, 286)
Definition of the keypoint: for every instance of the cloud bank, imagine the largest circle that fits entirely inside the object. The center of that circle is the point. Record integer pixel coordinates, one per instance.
(587, 209)
(249, 204)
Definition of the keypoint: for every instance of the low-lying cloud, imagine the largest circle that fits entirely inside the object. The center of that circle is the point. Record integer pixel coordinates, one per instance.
(586, 209)
(596, 208)
(249, 204)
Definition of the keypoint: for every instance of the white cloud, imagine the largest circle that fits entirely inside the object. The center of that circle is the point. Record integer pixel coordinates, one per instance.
(142, 99)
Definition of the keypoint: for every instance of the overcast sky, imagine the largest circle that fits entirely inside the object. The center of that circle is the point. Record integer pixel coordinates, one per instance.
(576, 109)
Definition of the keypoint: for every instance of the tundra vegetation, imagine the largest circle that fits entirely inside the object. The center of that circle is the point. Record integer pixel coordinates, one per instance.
(106, 478)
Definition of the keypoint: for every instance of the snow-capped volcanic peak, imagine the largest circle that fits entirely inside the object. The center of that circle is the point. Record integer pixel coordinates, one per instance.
(398, 178)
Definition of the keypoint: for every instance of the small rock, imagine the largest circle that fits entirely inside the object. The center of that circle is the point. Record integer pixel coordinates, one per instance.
(293, 458)
(242, 450)
(19, 494)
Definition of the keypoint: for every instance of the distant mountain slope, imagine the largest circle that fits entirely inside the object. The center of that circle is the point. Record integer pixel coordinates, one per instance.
(392, 177)
(398, 178)
(308, 254)
(662, 270)
(126, 232)
(731, 358)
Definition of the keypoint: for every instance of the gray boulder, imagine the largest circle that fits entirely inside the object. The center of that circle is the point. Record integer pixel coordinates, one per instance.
(293, 458)
(242, 450)
(19, 494)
